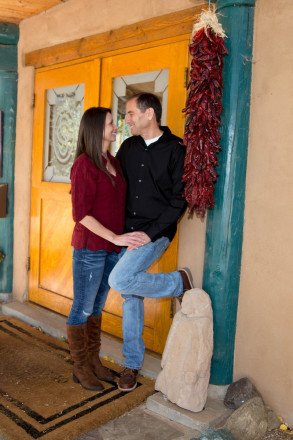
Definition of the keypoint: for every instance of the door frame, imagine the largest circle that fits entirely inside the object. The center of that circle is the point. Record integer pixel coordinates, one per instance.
(156, 330)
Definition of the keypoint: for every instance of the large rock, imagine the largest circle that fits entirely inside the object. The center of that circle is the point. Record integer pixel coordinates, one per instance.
(186, 360)
(220, 434)
(240, 392)
(249, 422)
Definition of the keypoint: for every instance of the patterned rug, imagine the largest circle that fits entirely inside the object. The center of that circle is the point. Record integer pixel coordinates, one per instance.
(38, 398)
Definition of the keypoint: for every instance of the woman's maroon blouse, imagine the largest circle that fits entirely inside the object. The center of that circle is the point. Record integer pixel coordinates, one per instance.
(93, 193)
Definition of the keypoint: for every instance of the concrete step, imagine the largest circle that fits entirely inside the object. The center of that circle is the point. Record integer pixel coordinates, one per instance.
(213, 416)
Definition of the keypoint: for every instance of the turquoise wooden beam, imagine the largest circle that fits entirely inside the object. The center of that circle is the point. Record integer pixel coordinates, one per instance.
(224, 231)
(8, 96)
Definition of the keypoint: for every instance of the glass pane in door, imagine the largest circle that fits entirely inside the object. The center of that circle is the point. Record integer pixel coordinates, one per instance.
(64, 108)
(124, 87)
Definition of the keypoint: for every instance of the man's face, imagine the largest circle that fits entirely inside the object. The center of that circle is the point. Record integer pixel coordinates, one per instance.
(137, 121)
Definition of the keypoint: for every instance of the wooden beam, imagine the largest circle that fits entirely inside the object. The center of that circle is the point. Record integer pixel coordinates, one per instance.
(147, 31)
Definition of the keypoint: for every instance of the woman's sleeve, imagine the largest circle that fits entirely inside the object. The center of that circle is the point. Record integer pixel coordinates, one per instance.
(83, 190)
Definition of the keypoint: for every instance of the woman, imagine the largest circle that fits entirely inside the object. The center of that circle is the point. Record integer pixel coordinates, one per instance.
(98, 197)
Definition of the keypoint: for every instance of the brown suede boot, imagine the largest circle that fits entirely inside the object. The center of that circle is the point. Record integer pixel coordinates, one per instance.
(82, 373)
(93, 346)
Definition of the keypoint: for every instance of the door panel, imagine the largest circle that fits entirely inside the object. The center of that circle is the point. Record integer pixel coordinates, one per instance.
(50, 283)
(55, 249)
(173, 57)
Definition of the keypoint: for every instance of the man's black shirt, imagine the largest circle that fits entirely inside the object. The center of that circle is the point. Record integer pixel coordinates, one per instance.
(153, 173)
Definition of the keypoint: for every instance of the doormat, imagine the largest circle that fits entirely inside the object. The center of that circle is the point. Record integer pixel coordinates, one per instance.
(38, 398)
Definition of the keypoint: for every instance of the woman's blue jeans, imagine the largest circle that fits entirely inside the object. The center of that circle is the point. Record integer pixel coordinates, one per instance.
(91, 270)
(129, 277)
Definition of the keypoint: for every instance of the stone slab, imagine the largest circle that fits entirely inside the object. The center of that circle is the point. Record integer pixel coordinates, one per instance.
(213, 416)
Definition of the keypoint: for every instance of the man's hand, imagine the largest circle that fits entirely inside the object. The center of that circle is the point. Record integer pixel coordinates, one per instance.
(130, 239)
(133, 240)
(144, 240)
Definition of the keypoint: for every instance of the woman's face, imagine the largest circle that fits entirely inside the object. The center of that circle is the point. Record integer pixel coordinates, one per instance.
(109, 134)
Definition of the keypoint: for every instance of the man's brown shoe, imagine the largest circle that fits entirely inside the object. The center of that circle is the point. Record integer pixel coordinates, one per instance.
(128, 379)
(187, 282)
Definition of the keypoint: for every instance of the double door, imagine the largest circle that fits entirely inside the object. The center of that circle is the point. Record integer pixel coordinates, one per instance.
(62, 94)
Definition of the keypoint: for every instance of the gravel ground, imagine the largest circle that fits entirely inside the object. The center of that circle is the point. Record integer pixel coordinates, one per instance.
(278, 434)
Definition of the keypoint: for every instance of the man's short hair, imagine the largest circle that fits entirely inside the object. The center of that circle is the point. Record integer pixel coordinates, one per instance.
(148, 100)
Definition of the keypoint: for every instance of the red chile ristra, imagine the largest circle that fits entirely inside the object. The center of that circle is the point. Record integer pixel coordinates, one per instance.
(203, 116)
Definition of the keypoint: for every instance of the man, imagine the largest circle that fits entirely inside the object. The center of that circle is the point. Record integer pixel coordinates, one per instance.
(153, 162)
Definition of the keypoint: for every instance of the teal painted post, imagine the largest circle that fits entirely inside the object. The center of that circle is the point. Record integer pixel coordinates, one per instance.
(224, 231)
(8, 98)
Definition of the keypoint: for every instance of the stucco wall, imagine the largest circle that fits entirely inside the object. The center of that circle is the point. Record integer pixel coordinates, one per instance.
(265, 325)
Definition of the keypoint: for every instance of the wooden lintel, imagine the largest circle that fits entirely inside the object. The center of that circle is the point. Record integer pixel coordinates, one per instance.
(147, 31)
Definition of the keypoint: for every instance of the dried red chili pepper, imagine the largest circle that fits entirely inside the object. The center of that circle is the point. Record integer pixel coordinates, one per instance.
(203, 110)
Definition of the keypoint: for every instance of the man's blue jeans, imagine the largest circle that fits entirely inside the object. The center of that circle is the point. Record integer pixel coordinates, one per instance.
(91, 270)
(129, 277)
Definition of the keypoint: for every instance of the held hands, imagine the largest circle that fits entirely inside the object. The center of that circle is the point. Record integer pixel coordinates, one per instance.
(143, 238)
(133, 240)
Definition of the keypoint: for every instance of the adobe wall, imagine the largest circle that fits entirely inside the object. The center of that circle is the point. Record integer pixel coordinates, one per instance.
(264, 323)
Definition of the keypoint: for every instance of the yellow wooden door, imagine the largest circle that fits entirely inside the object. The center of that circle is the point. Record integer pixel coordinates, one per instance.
(55, 125)
(172, 58)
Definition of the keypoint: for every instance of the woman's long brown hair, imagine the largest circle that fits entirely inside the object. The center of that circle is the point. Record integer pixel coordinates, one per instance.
(90, 137)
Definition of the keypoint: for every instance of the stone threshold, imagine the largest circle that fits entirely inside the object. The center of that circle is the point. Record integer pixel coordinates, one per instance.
(213, 416)
(55, 325)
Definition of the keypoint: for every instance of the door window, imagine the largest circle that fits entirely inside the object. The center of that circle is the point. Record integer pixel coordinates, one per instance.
(64, 108)
(124, 87)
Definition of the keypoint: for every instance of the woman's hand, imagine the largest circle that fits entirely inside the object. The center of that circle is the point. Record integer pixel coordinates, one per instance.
(132, 240)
